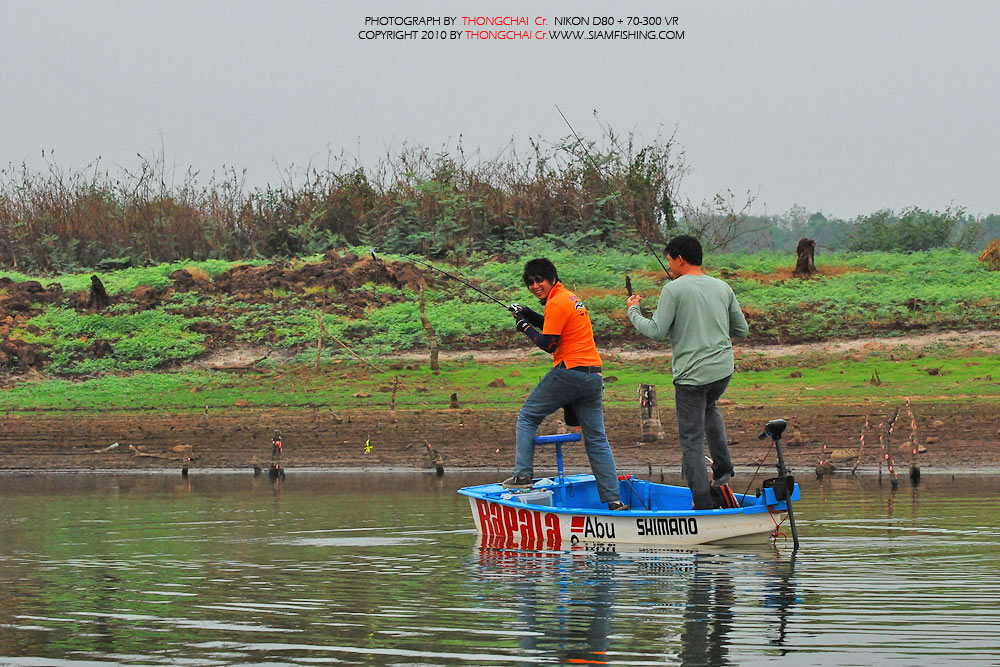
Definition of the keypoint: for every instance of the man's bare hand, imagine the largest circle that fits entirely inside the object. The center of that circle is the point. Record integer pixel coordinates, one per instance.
(633, 300)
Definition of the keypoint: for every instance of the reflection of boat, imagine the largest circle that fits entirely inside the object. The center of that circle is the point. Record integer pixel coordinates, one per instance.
(579, 604)
(567, 509)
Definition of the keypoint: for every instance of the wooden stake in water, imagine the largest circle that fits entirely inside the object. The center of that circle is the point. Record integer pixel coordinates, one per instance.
(914, 447)
(861, 449)
(650, 426)
(887, 453)
(881, 456)
(436, 459)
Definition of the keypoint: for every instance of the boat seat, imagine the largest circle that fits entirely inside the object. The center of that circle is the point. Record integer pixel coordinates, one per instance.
(557, 439)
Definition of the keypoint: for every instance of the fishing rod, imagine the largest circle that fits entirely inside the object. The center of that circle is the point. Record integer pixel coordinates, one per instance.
(453, 277)
(597, 167)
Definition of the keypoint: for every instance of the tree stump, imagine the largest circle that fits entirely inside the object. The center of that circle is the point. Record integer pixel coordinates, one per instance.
(99, 299)
(805, 266)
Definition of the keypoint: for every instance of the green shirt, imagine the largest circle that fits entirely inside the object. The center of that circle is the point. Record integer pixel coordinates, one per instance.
(701, 315)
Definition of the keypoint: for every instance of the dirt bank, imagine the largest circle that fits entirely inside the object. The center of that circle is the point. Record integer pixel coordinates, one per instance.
(954, 437)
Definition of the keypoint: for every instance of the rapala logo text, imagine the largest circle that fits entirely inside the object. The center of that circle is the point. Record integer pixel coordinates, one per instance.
(503, 520)
(590, 527)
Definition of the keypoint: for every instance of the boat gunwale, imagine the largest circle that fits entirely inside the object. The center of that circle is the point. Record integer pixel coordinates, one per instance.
(476, 492)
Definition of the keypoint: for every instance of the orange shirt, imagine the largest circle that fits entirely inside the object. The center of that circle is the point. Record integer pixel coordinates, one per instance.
(566, 317)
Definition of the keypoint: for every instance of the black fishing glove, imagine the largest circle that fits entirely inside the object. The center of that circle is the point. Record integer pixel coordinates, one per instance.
(520, 312)
(522, 325)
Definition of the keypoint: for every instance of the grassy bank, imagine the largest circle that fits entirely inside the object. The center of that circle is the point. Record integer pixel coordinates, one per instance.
(786, 381)
(284, 305)
(135, 353)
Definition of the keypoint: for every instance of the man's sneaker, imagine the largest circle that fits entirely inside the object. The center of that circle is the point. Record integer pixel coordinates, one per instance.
(724, 479)
(517, 483)
(618, 506)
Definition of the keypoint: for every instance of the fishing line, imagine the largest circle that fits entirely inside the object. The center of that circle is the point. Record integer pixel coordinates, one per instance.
(759, 464)
(453, 277)
(597, 167)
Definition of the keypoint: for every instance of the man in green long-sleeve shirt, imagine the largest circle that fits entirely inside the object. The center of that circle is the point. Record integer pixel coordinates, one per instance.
(701, 316)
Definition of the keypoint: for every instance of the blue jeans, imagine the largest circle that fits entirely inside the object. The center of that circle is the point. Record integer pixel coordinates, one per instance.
(586, 392)
(698, 422)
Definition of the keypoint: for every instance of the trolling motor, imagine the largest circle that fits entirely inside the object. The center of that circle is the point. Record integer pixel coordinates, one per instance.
(783, 484)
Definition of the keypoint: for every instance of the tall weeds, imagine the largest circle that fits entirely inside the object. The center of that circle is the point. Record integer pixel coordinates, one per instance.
(415, 200)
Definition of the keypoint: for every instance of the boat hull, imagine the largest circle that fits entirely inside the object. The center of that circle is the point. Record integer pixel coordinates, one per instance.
(501, 514)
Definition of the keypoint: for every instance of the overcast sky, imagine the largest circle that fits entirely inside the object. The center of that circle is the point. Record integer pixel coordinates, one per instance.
(843, 107)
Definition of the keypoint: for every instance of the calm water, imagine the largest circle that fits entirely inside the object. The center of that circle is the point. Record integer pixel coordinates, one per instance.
(227, 569)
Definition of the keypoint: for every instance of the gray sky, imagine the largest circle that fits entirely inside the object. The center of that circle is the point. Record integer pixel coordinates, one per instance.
(844, 107)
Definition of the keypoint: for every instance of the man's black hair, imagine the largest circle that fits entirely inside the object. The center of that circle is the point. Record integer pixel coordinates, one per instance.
(686, 247)
(540, 268)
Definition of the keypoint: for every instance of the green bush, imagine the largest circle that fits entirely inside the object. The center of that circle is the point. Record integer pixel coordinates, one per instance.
(139, 341)
(913, 230)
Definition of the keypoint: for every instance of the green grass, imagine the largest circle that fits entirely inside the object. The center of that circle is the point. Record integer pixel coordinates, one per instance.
(139, 341)
(961, 379)
(967, 379)
(887, 293)
(123, 281)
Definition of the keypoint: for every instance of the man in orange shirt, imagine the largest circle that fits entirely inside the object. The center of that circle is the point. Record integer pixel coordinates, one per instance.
(575, 379)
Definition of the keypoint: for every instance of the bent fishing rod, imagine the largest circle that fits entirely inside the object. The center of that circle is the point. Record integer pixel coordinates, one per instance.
(453, 277)
(597, 167)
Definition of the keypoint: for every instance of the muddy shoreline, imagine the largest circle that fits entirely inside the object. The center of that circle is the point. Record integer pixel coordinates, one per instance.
(953, 438)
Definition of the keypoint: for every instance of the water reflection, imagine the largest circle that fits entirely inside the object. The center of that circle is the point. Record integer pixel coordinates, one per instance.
(581, 606)
(708, 618)
(564, 600)
(782, 595)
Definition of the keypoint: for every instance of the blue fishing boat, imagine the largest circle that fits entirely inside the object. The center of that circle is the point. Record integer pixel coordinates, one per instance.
(566, 509)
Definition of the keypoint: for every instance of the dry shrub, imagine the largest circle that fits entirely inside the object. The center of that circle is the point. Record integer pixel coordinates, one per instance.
(415, 200)
(197, 274)
(991, 256)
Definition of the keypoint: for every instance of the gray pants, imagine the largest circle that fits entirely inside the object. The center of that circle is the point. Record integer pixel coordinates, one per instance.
(698, 422)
